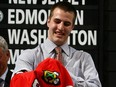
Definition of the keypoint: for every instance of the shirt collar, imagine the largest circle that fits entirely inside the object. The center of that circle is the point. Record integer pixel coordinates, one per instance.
(49, 45)
(4, 75)
(65, 48)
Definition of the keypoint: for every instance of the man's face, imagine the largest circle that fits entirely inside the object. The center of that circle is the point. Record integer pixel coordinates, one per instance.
(4, 57)
(60, 26)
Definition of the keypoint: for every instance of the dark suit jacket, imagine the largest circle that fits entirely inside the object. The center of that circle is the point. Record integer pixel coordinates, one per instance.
(7, 80)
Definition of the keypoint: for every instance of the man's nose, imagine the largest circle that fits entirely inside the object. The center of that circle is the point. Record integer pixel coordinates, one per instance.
(61, 26)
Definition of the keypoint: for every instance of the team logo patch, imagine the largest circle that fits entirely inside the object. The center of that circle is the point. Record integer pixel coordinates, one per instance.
(51, 77)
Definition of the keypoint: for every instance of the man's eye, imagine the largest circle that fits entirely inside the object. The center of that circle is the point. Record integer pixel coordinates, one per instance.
(67, 24)
(57, 21)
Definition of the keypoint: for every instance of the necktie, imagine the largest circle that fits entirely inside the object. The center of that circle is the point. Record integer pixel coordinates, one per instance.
(59, 54)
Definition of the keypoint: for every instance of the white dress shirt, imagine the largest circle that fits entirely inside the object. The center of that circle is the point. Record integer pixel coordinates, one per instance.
(78, 63)
(4, 75)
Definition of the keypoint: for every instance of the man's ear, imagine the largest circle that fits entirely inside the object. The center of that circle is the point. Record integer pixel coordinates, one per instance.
(48, 21)
(8, 54)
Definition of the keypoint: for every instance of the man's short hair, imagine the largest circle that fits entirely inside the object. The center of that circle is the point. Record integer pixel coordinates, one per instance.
(66, 6)
(3, 44)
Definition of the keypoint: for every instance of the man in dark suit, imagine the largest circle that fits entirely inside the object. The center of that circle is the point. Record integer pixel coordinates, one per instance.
(5, 73)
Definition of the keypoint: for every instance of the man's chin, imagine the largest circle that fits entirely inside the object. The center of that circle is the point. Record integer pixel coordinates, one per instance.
(59, 42)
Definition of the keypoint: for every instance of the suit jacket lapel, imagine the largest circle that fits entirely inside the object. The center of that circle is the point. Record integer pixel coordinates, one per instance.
(8, 77)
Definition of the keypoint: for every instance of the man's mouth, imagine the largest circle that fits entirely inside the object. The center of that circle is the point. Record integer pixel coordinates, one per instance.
(58, 34)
